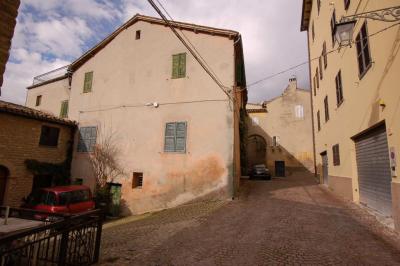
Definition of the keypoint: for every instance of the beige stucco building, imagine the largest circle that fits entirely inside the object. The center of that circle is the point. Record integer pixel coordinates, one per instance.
(355, 99)
(176, 129)
(280, 133)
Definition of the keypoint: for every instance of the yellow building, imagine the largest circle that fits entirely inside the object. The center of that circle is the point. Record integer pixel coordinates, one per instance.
(270, 132)
(356, 102)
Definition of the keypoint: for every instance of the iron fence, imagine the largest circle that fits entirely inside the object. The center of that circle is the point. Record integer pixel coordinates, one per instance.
(69, 240)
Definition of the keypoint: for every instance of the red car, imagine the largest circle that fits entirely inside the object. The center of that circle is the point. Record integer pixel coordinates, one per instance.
(62, 199)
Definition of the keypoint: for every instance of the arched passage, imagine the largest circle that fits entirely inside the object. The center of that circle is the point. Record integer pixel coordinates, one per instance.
(4, 173)
(256, 150)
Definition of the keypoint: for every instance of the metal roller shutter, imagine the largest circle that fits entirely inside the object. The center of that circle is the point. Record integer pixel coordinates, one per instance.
(374, 170)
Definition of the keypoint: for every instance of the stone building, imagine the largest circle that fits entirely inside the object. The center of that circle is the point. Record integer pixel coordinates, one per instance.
(280, 134)
(355, 99)
(176, 130)
(8, 15)
(28, 134)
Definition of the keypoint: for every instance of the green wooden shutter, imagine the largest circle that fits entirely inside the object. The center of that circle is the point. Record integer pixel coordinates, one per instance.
(64, 109)
(87, 86)
(182, 65)
(169, 142)
(175, 66)
(180, 144)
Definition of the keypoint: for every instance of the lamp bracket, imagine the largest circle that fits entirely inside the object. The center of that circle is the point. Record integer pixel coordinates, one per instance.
(390, 14)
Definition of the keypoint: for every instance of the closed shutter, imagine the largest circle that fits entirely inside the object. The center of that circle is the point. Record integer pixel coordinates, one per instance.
(180, 145)
(175, 137)
(169, 143)
(175, 66)
(374, 170)
(182, 65)
(179, 65)
(87, 86)
(64, 109)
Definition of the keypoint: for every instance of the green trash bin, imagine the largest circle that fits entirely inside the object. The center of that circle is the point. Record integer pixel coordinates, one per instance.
(115, 202)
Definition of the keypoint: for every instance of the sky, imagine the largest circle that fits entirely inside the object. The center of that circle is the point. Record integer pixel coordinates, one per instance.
(52, 33)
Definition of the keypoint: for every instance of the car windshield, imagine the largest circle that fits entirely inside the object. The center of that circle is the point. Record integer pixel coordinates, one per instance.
(43, 197)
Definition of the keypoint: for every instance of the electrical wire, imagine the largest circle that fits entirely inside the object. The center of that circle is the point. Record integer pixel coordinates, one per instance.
(313, 59)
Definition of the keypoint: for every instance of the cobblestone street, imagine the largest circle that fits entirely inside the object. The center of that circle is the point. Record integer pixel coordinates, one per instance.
(291, 221)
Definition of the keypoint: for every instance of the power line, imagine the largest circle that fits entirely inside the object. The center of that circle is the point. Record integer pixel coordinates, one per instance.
(316, 58)
(202, 64)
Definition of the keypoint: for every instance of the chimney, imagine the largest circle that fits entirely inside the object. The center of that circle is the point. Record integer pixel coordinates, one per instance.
(292, 84)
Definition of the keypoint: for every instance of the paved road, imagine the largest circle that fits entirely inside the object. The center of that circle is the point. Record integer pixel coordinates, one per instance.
(289, 221)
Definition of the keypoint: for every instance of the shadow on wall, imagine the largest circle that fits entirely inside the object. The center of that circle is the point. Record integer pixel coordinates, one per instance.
(260, 150)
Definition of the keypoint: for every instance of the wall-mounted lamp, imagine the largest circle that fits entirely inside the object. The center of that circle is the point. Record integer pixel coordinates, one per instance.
(155, 104)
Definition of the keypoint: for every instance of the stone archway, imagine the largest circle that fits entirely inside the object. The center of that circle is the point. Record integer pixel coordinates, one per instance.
(256, 150)
(4, 174)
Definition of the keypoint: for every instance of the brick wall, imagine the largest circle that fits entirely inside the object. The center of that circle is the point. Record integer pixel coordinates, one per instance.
(19, 140)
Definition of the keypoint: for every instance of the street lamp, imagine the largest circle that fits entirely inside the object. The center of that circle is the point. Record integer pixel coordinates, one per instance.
(344, 29)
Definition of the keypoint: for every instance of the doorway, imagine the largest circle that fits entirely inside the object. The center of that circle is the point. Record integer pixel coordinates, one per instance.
(324, 157)
(280, 168)
(3, 183)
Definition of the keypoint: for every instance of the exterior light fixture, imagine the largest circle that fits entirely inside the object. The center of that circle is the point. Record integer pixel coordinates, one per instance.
(344, 29)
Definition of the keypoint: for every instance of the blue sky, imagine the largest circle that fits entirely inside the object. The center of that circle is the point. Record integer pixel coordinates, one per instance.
(52, 33)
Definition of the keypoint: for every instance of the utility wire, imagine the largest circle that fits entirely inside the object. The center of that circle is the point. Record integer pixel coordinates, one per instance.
(316, 58)
(202, 64)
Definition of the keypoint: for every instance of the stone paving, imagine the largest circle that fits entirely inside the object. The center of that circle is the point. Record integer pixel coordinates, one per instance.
(289, 221)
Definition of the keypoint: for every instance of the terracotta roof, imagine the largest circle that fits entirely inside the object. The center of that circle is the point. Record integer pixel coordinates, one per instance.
(305, 14)
(262, 110)
(16, 109)
(180, 25)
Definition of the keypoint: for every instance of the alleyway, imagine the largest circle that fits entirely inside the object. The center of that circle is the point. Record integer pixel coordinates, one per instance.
(288, 221)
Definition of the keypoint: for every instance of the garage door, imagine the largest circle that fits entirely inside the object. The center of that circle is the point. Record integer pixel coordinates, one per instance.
(374, 170)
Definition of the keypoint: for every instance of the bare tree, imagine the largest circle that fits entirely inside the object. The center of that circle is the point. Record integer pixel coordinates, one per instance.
(104, 160)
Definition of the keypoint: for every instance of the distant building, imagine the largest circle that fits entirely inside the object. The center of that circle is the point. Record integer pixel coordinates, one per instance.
(280, 134)
(28, 134)
(355, 97)
(177, 131)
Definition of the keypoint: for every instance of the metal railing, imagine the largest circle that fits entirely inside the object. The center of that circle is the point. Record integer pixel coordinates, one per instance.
(59, 72)
(69, 240)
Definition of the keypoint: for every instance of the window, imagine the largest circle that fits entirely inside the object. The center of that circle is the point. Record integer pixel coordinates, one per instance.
(179, 66)
(333, 23)
(336, 154)
(320, 67)
(318, 121)
(137, 180)
(346, 4)
(275, 141)
(299, 111)
(339, 88)
(326, 109)
(317, 78)
(87, 139)
(363, 53)
(319, 5)
(315, 86)
(175, 137)
(64, 109)
(312, 31)
(49, 136)
(87, 85)
(38, 100)
(137, 37)
(325, 55)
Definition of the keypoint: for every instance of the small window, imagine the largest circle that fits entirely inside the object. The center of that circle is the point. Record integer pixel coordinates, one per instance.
(346, 4)
(38, 100)
(317, 77)
(137, 180)
(333, 24)
(49, 136)
(326, 109)
(339, 88)
(275, 141)
(64, 109)
(363, 52)
(87, 85)
(336, 154)
(179, 66)
(175, 137)
(320, 68)
(299, 111)
(315, 86)
(319, 5)
(137, 35)
(313, 31)
(87, 139)
(318, 121)
(325, 55)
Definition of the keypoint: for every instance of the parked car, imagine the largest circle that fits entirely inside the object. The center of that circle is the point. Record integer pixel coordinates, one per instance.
(61, 199)
(259, 171)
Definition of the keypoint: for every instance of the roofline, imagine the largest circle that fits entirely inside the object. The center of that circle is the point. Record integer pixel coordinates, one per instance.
(47, 82)
(181, 25)
(303, 23)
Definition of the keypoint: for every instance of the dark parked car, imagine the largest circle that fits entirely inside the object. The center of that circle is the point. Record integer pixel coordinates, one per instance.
(259, 171)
